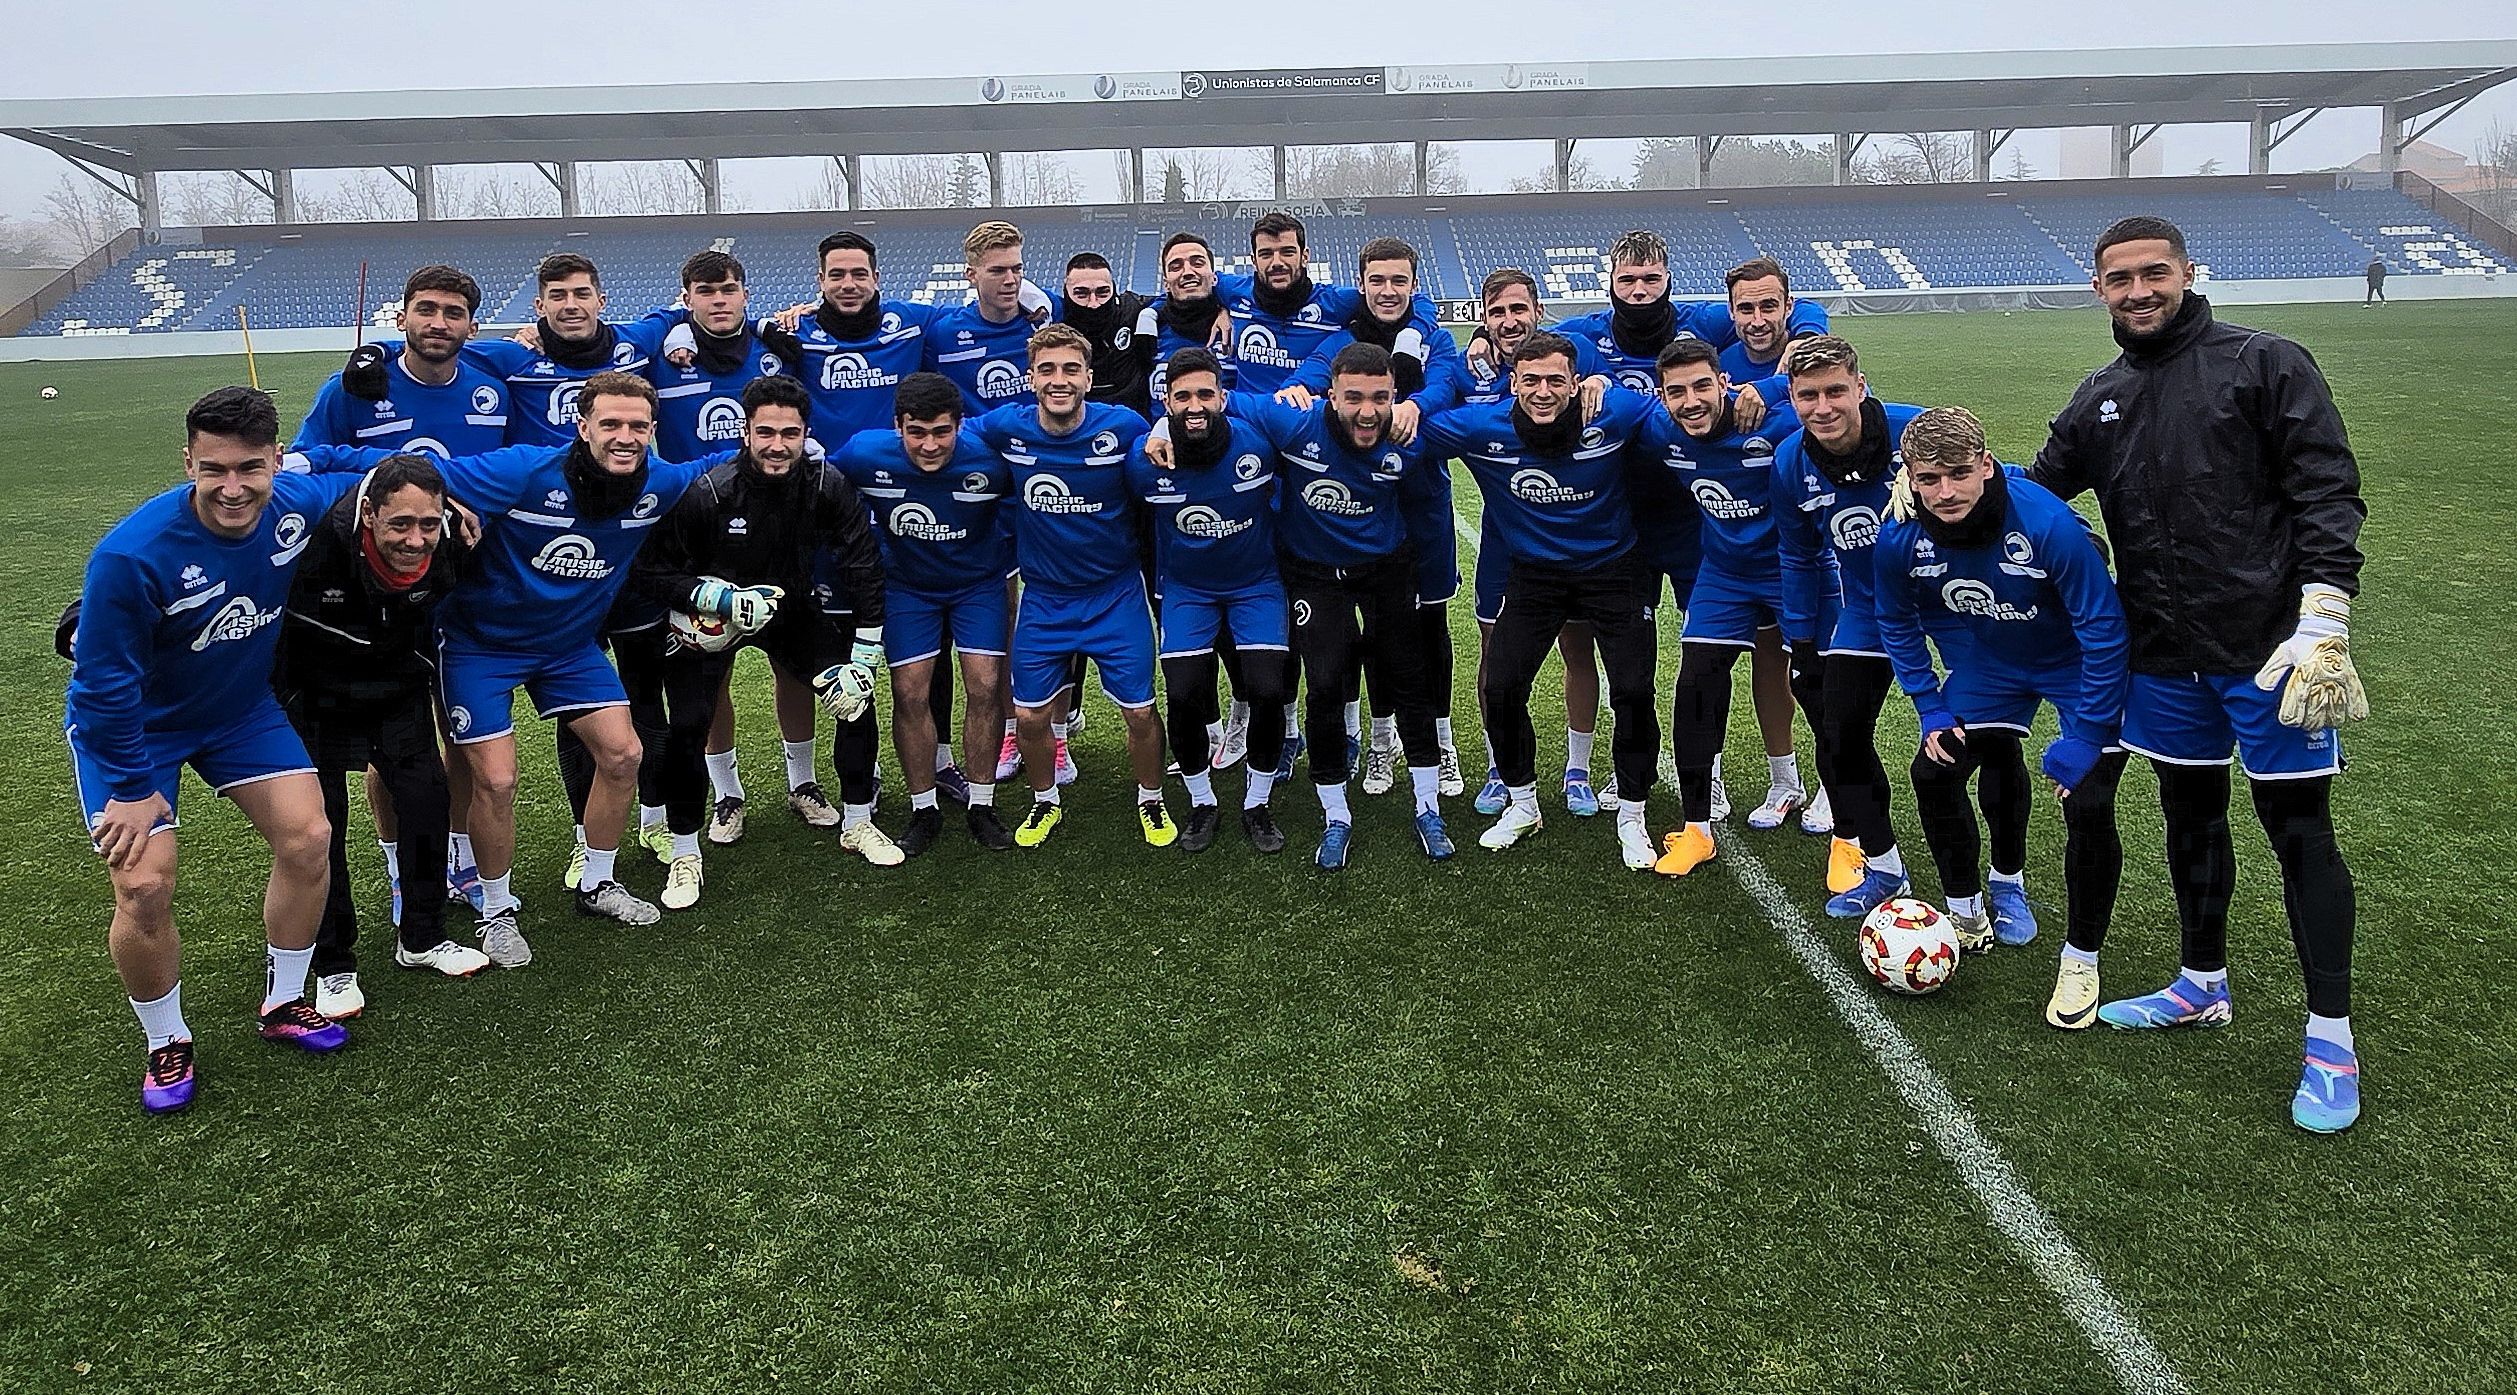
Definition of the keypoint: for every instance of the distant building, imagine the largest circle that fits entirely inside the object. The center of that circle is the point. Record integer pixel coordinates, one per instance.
(2088, 151)
(2435, 163)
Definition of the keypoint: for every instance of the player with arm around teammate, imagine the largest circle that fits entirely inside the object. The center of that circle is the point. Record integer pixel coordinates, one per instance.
(2008, 584)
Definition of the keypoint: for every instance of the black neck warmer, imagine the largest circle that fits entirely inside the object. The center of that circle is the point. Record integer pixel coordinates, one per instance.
(1643, 330)
(1556, 438)
(721, 353)
(1190, 454)
(1284, 304)
(2191, 319)
(1337, 430)
(1868, 461)
(1095, 322)
(593, 352)
(1191, 320)
(1982, 524)
(600, 493)
(851, 329)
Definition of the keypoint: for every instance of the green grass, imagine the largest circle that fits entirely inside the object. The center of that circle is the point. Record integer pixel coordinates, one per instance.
(1105, 1119)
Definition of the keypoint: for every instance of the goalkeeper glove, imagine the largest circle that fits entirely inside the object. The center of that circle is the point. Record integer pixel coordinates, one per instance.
(2068, 761)
(364, 376)
(2322, 689)
(749, 609)
(1901, 498)
(868, 649)
(846, 689)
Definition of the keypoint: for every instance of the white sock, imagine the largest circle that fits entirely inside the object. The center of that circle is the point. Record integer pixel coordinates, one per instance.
(649, 815)
(598, 868)
(1214, 735)
(393, 857)
(1426, 781)
(1333, 803)
(1148, 795)
(2078, 955)
(284, 974)
(2334, 1030)
(1967, 905)
(459, 849)
(943, 756)
(163, 1018)
(2018, 878)
(1577, 749)
(1046, 796)
(1009, 726)
(2208, 982)
(495, 896)
(1632, 810)
(1525, 799)
(1201, 787)
(799, 763)
(850, 815)
(1354, 721)
(923, 799)
(1385, 733)
(1891, 862)
(723, 779)
(1058, 729)
(982, 795)
(1254, 794)
(1442, 734)
(1783, 771)
(685, 845)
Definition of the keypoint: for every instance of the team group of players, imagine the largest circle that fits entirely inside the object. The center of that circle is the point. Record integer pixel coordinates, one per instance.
(1245, 483)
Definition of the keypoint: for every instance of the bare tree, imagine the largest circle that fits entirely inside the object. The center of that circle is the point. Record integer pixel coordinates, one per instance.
(1739, 162)
(213, 200)
(1207, 174)
(366, 196)
(493, 195)
(2019, 169)
(1581, 176)
(31, 242)
(1037, 177)
(2210, 166)
(638, 186)
(84, 215)
(908, 181)
(1360, 171)
(1916, 157)
(2495, 156)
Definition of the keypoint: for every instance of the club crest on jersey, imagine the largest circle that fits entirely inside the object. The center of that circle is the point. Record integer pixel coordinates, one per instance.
(1967, 596)
(1301, 613)
(624, 352)
(2019, 556)
(1539, 487)
(1334, 498)
(1049, 494)
(1593, 438)
(1719, 502)
(890, 322)
(849, 371)
(1122, 337)
(769, 365)
(1391, 465)
(998, 378)
(460, 718)
(974, 483)
(1494, 448)
(290, 534)
(485, 398)
(238, 619)
(647, 504)
(1855, 528)
(919, 523)
(1199, 521)
(1248, 467)
(1309, 314)
(1105, 443)
(193, 575)
(571, 557)
(721, 419)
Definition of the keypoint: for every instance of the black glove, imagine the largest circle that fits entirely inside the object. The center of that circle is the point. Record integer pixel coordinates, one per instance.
(65, 631)
(363, 377)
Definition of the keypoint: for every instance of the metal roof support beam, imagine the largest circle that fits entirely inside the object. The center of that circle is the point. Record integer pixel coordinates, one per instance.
(2458, 93)
(711, 184)
(421, 183)
(852, 178)
(1988, 143)
(2280, 133)
(152, 208)
(2390, 138)
(1564, 167)
(1135, 175)
(1847, 145)
(996, 178)
(1424, 159)
(2259, 143)
(283, 196)
(1279, 152)
(562, 175)
(2432, 124)
(1706, 147)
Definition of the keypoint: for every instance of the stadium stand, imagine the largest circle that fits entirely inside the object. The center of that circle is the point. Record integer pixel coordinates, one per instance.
(1833, 241)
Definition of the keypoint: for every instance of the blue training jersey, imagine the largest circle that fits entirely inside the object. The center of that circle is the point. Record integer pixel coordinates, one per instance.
(1815, 519)
(2036, 602)
(1271, 348)
(1725, 482)
(1074, 519)
(852, 381)
(1555, 511)
(942, 531)
(542, 393)
(544, 575)
(1214, 527)
(178, 626)
(1336, 506)
(465, 416)
(989, 362)
(1708, 320)
(701, 413)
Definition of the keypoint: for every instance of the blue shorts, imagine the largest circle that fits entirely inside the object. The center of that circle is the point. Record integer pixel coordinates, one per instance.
(1253, 617)
(1729, 609)
(257, 746)
(2197, 719)
(917, 623)
(1851, 630)
(1438, 571)
(479, 686)
(1680, 567)
(1110, 626)
(2004, 700)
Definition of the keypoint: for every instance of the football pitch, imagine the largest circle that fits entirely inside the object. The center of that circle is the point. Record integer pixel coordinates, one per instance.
(1104, 1118)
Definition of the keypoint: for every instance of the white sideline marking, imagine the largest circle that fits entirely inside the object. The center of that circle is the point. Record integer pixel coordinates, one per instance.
(2117, 1335)
(2013, 1210)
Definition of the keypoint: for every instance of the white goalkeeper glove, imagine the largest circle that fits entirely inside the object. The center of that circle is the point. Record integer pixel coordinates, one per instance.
(2312, 668)
(846, 689)
(749, 609)
(868, 649)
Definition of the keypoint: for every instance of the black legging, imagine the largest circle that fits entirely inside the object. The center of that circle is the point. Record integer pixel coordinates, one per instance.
(1433, 624)
(2316, 887)
(1538, 602)
(1846, 692)
(1266, 683)
(1700, 720)
(638, 655)
(1340, 616)
(692, 681)
(1949, 829)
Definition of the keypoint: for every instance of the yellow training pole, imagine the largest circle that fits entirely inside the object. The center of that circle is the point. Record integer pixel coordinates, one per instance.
(252, 375)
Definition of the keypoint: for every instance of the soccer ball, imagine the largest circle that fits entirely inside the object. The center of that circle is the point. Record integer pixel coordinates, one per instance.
(50, 393)
(705, 633)
(1908, 946)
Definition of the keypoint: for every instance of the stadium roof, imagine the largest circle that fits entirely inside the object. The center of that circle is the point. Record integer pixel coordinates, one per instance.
(1302, 106)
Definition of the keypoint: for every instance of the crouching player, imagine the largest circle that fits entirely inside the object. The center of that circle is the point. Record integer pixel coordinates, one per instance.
(2008, 583)
(738, 549)
(172, 667)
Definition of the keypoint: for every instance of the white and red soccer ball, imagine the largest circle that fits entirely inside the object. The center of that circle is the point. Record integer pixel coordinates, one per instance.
(1908, 946)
